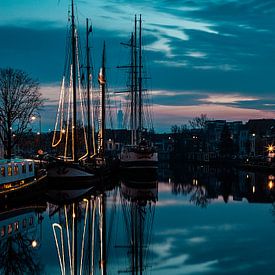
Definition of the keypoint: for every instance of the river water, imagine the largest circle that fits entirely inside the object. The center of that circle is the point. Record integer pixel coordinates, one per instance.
(193, 220)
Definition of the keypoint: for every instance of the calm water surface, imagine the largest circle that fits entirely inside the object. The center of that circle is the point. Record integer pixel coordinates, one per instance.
(195, 220)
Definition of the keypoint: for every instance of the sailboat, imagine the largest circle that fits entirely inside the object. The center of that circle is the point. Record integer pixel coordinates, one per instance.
(70, 132)
(140, 156)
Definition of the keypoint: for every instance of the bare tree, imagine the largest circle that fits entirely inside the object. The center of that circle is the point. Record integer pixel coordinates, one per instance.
(198, 122)
(19, 99)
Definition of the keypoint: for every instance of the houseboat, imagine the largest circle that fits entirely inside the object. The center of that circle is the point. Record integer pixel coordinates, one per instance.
(18, 175)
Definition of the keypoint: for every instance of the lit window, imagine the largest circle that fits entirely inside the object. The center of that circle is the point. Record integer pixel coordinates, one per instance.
(16, 226)
(15, 169)
(9, 170)
(3, 171)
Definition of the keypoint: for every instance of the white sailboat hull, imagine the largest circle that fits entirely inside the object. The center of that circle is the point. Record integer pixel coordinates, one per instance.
(138, 158)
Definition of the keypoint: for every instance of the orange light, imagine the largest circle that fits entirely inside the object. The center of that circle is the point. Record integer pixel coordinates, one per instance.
(270, 148)
(270, 184)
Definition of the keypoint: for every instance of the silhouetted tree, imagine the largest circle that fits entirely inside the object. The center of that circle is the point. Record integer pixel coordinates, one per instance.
(19, 99)
(198, 122)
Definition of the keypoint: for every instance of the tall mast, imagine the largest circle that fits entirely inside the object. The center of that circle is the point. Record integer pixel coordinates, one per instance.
(140, 83)
(102, 81)
(74, 121)
(135, 82)
(88, 86)
(132, 90)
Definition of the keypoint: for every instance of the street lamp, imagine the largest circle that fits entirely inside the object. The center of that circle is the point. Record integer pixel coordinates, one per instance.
(33, 118)
(254, 144)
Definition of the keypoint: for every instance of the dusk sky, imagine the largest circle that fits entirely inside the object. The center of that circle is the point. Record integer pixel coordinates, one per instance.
(204, 56)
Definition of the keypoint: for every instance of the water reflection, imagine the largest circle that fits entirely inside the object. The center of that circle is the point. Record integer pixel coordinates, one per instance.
(83, 226)
(138, 205)
(79, 226)
(110, 230)
(21, 237)
(204, 184)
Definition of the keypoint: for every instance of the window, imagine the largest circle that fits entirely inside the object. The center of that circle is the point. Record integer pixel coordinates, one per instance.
(30, 167)
(23, 168)
(16, 226)
(15, 169)
(3, 231)
(9, 228)
(9, 170)
(24, 223)
(3, 171)
(31, 221)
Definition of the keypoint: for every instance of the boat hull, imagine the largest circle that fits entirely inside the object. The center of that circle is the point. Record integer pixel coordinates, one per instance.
(29, 190)
(139, 165)
(70, 176)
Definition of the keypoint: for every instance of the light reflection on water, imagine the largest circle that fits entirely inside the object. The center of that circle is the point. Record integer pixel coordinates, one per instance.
(196, 220)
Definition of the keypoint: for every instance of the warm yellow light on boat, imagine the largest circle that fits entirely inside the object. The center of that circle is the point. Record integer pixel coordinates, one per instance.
(270, 184)
(253, 189)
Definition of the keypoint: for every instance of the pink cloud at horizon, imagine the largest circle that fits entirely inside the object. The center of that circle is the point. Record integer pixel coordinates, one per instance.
(170, 115)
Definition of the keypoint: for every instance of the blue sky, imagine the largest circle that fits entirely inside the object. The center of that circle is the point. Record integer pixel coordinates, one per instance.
(215, 57)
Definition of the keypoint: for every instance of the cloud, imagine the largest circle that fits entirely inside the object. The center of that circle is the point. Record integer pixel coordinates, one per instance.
(196, 240)
(196, 54)
(165, 115)
(179, 266)
(226, 98)
(222, 67)
(163, 250)
(209, 46)
(171, 63)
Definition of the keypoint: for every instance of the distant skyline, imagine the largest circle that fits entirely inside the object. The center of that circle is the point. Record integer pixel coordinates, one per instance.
(204, 56)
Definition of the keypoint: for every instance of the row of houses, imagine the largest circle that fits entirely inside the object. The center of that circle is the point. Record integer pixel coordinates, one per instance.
(220, 138)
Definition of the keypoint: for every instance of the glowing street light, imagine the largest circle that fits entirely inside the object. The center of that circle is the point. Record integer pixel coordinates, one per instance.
(270, 148)
(33, 118)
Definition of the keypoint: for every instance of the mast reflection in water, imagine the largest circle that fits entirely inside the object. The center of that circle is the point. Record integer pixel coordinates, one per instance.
(138, 205)
(196, 220)
(79, 230)
(83, 227)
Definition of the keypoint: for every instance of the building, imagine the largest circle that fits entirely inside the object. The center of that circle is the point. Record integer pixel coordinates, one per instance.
(213, 130)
